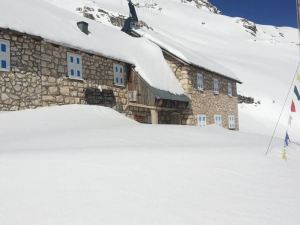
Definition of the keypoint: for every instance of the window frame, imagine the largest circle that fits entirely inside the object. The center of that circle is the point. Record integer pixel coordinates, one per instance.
(72, 65)
(200, 121)
(230, 89)
(219, 121)
(231, 122)
(119, 75)
(1, 47)
(200, 82)
(216, 86)
(5, 55)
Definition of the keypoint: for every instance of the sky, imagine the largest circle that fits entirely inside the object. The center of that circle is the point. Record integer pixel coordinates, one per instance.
(271, 12)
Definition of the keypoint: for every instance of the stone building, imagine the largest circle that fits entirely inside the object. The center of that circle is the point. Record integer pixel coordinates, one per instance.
(84, 62)
(213, 96)
(37, 73)
(212, 92)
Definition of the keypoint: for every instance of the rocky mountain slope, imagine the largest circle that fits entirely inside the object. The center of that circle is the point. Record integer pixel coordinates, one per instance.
(263, 57)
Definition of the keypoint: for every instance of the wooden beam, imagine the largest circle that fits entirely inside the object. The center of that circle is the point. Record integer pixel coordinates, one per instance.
(152, 107)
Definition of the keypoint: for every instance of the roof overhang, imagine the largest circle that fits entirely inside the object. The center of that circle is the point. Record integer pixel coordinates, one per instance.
(166, 95)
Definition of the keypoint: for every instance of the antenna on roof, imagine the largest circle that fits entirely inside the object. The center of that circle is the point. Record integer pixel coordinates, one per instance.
(132, 20)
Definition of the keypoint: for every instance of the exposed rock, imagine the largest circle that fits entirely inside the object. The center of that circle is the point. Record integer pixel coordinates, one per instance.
(247, 100)
(250, 26)
(103, 16)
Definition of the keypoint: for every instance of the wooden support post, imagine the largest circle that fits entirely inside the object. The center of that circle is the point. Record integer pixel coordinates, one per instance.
(154, 116)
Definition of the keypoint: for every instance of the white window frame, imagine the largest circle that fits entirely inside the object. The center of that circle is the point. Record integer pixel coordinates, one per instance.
(74, 66)
(230, 90)
(200, 82)
(5, 56)
(119, 78)
(218, 120)
(231, 122)
(201, 120)
(216, 86)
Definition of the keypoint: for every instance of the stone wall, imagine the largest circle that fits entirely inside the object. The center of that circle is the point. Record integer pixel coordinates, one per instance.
(205, 102)
(171, 117)
(38, 77)
(97, 72)
(21, 87)
(165, 116)
(142, 115)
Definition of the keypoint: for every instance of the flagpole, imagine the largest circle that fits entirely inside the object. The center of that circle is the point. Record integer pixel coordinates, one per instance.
(294, 78)
(298, 20)
(282, 110)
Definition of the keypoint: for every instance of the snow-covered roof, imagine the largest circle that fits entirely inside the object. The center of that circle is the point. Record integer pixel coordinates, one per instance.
(57, 25)
(188, 55)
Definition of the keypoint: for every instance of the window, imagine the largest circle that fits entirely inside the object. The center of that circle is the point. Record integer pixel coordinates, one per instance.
(3, 64)
(3, 48)
(230, 89)
(216, 86)
(119, 75)
(201, 120)
(200, 82)
(218, 120)
(231, 122)
(74, 66)
(4, 55)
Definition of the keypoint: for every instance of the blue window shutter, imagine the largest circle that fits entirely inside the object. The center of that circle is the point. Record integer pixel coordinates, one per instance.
(72, 72)
(78, 61)
(3, 47)
(78, 73)
(71, 59)
(3, 64)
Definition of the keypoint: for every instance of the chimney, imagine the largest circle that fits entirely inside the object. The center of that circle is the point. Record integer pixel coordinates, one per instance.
(84, 27)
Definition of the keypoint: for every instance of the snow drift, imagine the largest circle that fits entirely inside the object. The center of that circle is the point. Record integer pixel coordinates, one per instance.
(90, 165)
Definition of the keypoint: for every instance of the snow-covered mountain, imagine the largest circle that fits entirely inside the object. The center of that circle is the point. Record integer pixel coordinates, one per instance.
(263, 57)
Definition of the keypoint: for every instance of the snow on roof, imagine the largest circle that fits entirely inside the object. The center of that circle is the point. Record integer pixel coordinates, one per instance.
(189, 56)
(173, 40)
(54, 24)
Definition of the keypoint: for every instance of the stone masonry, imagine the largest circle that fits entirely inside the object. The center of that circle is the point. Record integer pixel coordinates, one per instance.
(97, 72)
(38, 77)
(205, 102)
(21, 87)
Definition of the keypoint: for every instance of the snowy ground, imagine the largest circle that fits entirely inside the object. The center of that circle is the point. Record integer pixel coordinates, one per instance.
(76, 165)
